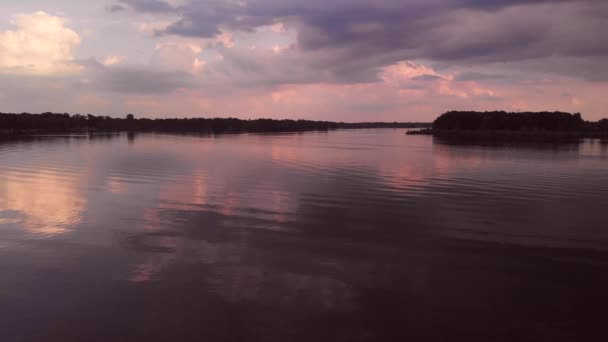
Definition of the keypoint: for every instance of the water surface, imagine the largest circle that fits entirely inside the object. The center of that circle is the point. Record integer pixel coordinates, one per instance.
(361, 235)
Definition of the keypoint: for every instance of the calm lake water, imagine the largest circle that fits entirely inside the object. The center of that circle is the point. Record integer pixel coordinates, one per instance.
(366, 235)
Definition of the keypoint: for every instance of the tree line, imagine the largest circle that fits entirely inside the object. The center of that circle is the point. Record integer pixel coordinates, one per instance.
(56, 122)
(520, 121)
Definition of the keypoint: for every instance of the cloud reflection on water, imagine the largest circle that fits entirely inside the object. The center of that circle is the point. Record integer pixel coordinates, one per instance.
(367, 233)
(42, 202)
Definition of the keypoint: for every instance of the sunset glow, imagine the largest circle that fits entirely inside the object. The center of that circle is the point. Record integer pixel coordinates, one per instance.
(391, 60)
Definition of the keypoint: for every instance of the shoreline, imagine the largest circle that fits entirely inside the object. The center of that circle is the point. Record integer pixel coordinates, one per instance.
(52, 123)
(41, 132)
(504, 126)
(511, 135)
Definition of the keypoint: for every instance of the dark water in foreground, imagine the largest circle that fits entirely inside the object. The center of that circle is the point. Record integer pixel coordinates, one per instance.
(366, 235)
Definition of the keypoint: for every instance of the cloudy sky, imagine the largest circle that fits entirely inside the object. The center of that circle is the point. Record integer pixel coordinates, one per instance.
(345, 60)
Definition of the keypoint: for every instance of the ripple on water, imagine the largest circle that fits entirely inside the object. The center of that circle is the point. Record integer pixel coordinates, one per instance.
(298, 233)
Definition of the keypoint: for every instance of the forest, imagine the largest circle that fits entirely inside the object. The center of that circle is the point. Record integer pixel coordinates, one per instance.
(521, 121)
(26, 123)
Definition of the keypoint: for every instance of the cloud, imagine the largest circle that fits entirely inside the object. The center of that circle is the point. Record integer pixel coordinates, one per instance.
(358, 37)
(243, 67)
(138, 80)
(341, 59)
(114, 60)
(178, 56)
(41, 44)
(151, 28)
(129, 79)
(226, 39)
(427, 78)
(154, 6)
(478, 76)
(115, 8)
(409, 70)
(592, 69)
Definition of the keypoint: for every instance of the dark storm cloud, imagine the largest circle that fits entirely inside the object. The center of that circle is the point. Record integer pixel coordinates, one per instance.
(149, 5)
(460, 34)
(244, 67)
(354, 39)
(205, 18)
(115, 8)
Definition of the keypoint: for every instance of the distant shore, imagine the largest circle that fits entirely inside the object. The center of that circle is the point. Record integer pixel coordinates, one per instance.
(512, 135)
(27, 124)
(515, 126)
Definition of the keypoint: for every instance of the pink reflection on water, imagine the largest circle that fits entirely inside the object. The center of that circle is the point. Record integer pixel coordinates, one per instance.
(117, 186)
(43, 202)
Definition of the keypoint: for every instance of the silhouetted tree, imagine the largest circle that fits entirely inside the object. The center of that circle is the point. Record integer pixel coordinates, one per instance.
(521, 121)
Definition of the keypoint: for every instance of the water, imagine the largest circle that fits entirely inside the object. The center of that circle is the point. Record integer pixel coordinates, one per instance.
(366, 235)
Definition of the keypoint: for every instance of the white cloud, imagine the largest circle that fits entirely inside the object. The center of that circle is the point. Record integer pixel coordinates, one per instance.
(226, 39)
(407, 70)
(414, 79)
(179, 56)
(278, 28)
(150, 28)
(41, 44)
(114, 60)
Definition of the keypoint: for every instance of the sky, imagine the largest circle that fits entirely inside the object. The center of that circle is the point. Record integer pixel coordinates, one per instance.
(339, 60)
